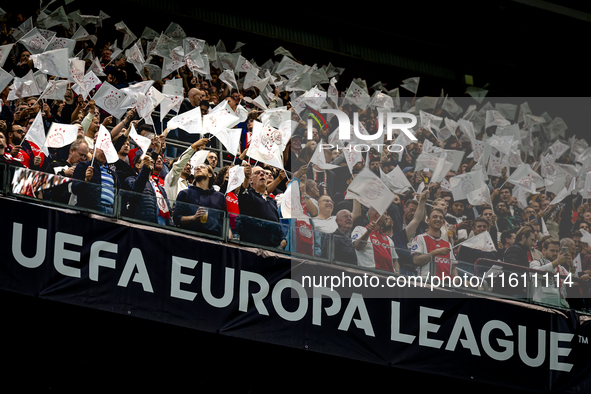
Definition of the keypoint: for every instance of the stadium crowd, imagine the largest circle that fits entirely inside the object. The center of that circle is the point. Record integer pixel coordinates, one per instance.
(467, 191)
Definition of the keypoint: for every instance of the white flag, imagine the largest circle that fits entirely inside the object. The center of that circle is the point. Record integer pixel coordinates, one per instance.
(4, 52)
(352, 156)
(77, 74)
(198, 158)
(219, 120)
(96, 68)
(319, 159)
(109, 98)
(264, 145)
(586, 238)
(357, 96)
(463, 184)
(290, 205)
(525, 177)
(141, 141)
(90, 82)
(333, 93)
(480, 196)
(229, 79)
(230, 138)
(55, 90)
(494, 118)
(103, 142)
(544, 228)
(395, 180)
(370, 190)
(482, 242)
(168, 103)
(53, 62)
(411, 84)
(61, 135)
(34, 41)
(189, 121)
(36, 133)
(5, 79)
(61, 42)
(235, 178)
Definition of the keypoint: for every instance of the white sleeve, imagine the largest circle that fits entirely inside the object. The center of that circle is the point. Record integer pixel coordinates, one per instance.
(418, 246)
(358, 233)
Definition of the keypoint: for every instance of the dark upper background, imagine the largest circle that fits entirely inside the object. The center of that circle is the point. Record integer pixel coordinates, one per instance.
(510, 48)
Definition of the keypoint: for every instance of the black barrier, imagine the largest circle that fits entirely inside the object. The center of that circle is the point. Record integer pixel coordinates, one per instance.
(156, 274)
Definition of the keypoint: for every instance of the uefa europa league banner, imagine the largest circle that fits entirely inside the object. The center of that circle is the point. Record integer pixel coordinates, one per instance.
(187, 281)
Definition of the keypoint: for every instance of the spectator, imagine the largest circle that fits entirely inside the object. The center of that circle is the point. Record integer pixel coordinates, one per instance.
(373, 248)
(341, 237)
(78, 152)
(152, 204)
(96, 185)
(520, 253)
(254, 205)
(199, 207)
(545, 288)
(178, 178)
(324, 221)
(430, 245)
(507, 240)
(470, 255)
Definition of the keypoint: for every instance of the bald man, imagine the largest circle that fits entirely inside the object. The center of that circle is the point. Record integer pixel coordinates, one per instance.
(343, 248)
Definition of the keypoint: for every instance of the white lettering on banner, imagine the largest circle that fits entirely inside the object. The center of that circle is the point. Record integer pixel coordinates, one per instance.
(331, 310)
(300, 312)
(496, 337)
(96, 261)
(29, 262)
(396, 335)
(462, 324)
(541, 356)
(503, 343)
(245, 278)
(426, 327)
(357, 304)
(136, 260)
(556, 351)
(61, 253)
(177, 277)
(228, 296)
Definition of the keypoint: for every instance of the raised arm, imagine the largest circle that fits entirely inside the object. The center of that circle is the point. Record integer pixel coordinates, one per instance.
(418, 217)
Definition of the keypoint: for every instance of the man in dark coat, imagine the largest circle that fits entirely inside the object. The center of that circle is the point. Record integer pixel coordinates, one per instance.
(199, 207)
(96, 184)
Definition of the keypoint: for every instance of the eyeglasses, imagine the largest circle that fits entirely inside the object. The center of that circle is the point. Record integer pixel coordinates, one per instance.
(201, 166)
(257, 172)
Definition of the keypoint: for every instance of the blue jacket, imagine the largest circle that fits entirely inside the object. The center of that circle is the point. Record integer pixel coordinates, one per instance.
(190, 199)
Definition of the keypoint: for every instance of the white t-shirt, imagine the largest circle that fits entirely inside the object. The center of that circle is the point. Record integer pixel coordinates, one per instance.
(327, 226)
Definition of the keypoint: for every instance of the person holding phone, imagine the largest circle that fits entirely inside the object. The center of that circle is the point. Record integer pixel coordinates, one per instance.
(547, 288)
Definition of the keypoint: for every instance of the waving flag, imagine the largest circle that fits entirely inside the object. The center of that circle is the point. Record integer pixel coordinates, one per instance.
(189, 121)
(36, 133)
(482, 241)
(104, 142)
(370, 191)
(61, 135)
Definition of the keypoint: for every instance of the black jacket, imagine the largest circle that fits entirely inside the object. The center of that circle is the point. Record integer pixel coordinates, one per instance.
(517, 254)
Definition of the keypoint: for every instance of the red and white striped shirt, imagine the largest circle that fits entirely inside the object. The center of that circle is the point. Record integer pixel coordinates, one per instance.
(425, 243)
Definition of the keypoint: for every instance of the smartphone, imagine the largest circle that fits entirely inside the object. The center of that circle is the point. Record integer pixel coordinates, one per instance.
(564, 250)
